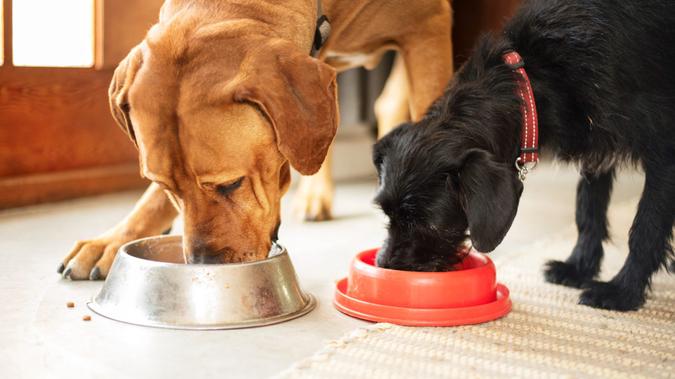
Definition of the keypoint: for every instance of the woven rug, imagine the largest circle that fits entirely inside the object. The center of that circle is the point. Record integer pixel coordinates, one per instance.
(546, 335)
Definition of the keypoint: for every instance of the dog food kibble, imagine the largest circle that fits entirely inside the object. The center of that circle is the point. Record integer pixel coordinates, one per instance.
(86, 318)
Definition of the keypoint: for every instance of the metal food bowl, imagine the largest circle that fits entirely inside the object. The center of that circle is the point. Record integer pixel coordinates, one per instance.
(150, 285)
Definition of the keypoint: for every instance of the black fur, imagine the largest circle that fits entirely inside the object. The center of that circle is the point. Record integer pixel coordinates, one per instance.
(603, 74)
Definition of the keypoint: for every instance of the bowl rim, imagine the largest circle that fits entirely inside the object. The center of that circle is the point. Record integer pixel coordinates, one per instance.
(449, 316)
(123, 251)
(360, 265)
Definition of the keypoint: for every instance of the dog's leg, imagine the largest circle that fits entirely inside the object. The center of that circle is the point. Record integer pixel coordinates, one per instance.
(152, 215)
(428, 62)
(650, 243)
(593, 194)
(392, 107)
(313, 200)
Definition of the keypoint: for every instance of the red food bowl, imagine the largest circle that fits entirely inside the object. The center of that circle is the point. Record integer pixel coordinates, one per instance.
(469, 294)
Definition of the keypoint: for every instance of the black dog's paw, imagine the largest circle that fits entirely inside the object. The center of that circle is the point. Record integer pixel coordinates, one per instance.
(611, 296)
(566, 274)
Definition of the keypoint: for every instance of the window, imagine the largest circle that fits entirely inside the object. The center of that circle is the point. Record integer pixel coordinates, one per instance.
(48, 33)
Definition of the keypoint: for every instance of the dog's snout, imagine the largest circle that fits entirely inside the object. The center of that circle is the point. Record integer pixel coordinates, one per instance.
(393, 255)
(199, 253)
(205, 259)
(417, 254)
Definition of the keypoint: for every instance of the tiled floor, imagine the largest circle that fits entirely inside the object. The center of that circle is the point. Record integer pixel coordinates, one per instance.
(40, 337)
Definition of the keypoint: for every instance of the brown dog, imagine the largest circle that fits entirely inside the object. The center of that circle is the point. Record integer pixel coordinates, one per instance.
(222, 97)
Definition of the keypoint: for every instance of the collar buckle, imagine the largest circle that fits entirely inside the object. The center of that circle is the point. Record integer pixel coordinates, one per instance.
(524, 168)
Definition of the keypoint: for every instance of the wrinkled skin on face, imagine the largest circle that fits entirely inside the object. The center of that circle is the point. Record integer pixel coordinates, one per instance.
(229, 198)
(219, 128)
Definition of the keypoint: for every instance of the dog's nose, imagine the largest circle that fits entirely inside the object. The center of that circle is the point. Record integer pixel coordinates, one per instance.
(205, 259)
(204, 254)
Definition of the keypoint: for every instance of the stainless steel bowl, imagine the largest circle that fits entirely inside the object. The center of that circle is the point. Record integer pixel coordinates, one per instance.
(149, 285)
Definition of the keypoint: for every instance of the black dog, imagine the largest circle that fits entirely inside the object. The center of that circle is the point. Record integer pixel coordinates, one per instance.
(603, 75)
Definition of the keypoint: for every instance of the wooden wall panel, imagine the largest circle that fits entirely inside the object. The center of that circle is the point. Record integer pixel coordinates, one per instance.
(67, 184)
(58, 119)
(57, 137)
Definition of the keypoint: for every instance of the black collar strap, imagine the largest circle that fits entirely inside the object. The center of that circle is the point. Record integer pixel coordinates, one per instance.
(321, 32)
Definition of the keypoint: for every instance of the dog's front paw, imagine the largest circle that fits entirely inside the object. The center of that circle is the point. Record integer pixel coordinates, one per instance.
(566, 274)
(314, 199)
(611, 296)
(91, 259)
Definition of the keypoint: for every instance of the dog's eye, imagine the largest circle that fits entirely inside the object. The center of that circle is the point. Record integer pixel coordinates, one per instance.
(228, 188)
(453, 179)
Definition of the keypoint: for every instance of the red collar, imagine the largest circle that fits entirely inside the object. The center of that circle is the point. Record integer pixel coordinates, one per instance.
(529, 135)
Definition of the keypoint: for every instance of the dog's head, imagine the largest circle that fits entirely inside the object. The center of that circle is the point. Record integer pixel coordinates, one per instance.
(219, 114)
(453, 170)
(433, 189)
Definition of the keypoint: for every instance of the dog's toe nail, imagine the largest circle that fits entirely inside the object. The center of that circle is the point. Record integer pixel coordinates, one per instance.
(60, 268)
(95, 274)
(66, 273)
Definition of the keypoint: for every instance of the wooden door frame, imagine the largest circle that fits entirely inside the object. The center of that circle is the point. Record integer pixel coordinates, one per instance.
(7, 53)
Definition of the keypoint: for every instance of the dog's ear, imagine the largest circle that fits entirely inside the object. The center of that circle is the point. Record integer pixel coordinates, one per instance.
(490, 192)
(298, 94)
(119, 89)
